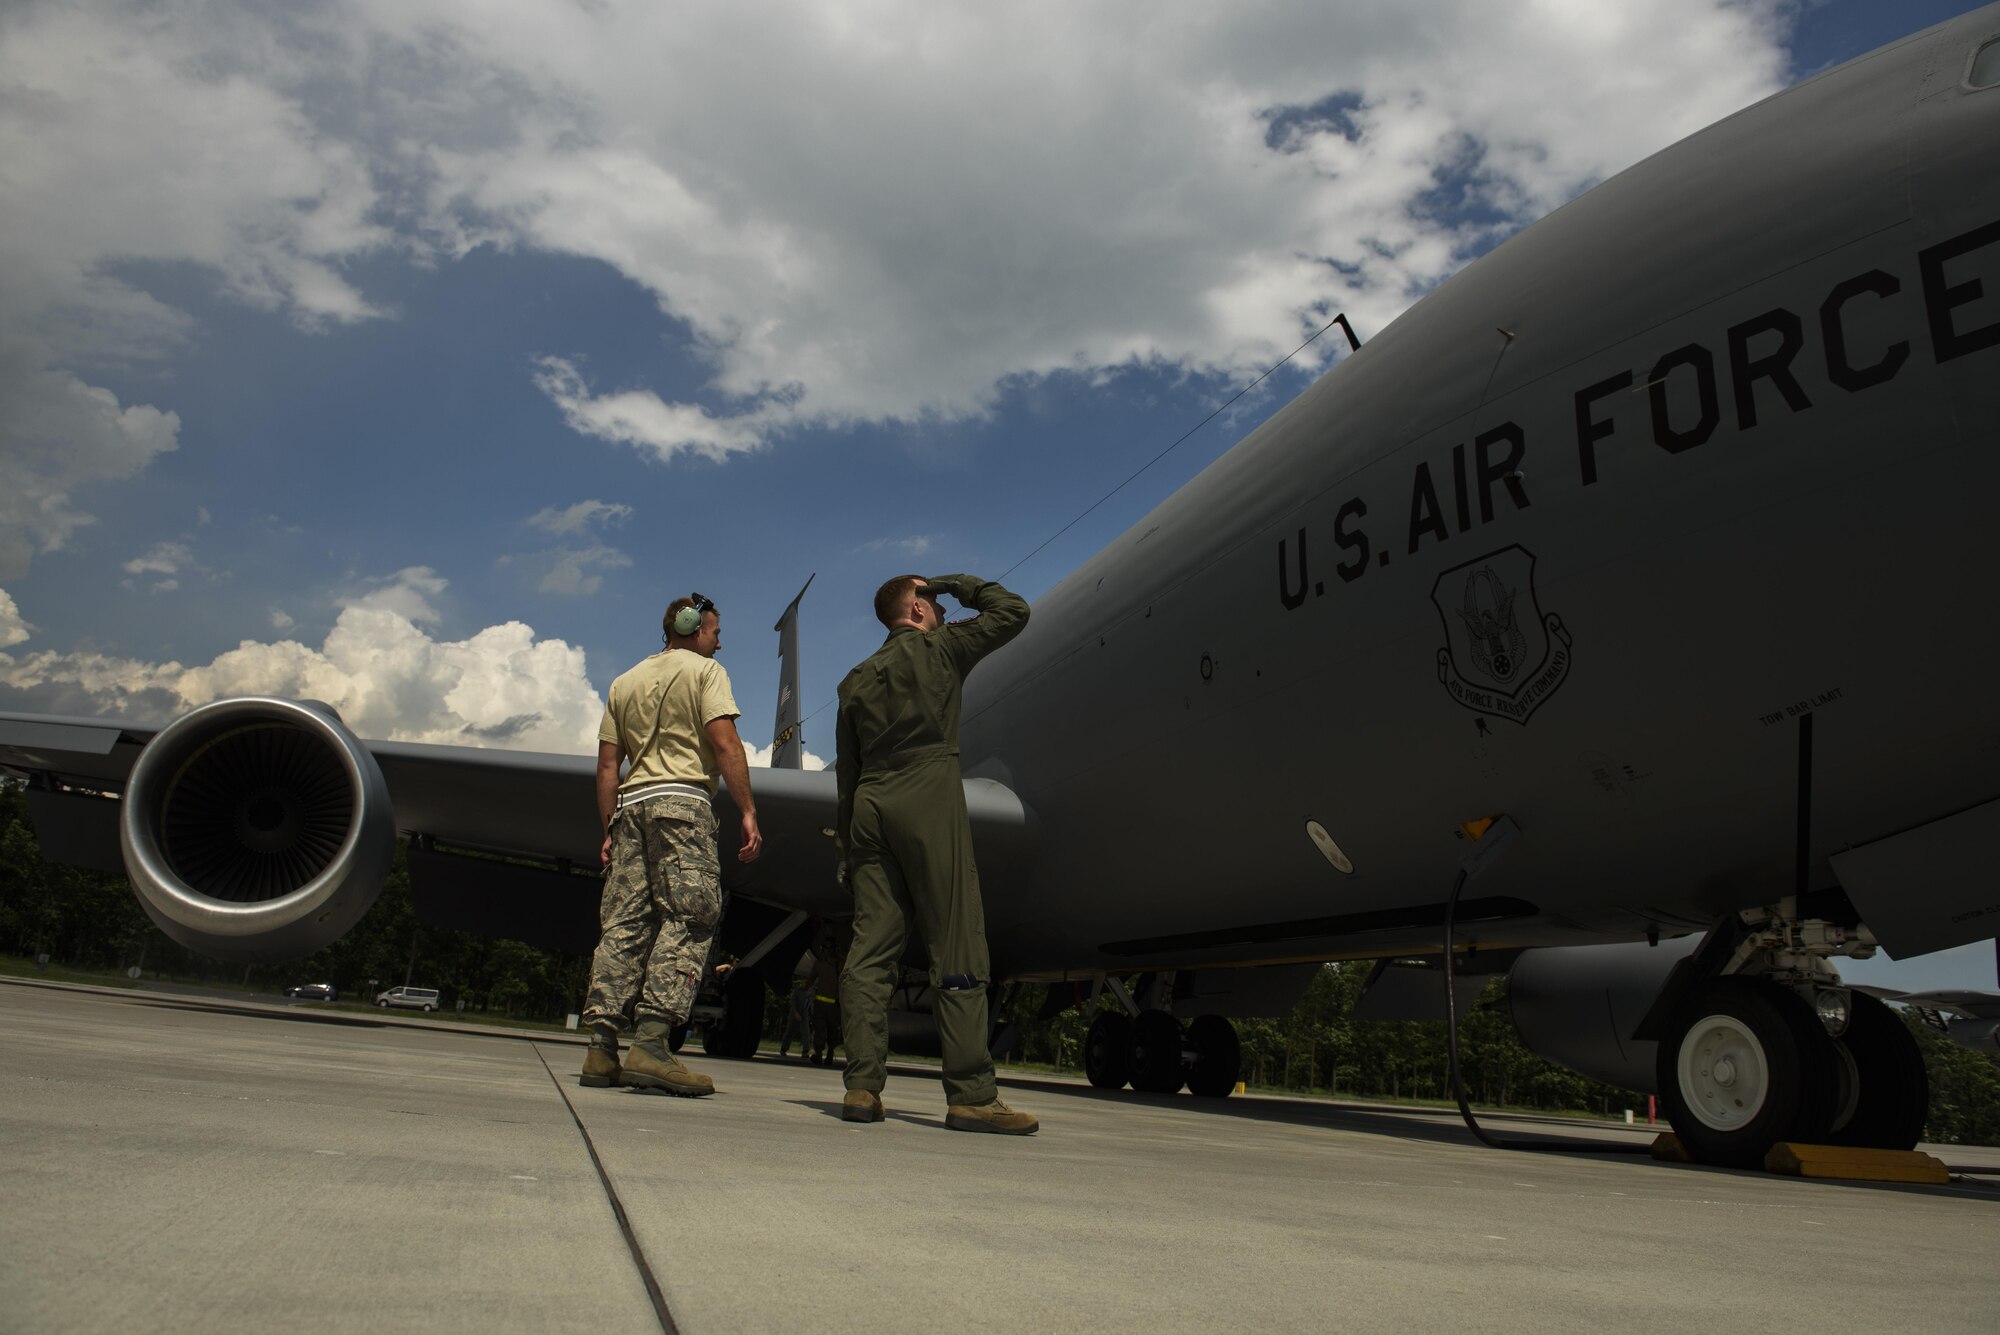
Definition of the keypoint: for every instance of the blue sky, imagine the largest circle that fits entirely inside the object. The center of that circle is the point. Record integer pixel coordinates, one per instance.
(411, 356)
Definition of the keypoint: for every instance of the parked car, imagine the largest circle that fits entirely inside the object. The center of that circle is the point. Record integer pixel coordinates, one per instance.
(409, 998)
(311, 992)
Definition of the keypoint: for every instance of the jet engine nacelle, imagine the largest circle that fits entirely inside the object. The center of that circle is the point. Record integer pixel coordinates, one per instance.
(257, 830)
(1578, 1006)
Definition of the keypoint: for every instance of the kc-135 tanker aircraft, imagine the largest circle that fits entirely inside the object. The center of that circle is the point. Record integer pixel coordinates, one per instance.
(1662, 533)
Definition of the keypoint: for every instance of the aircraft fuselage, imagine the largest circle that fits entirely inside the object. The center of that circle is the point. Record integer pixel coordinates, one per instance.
(1581, 537)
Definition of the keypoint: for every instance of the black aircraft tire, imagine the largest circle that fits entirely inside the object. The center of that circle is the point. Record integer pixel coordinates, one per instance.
(742, 1026)
(677, 1038)
(1895, 1096)
(1107, 1051)
(1218, 1057)
(1156, 1053)
(1744, 1065)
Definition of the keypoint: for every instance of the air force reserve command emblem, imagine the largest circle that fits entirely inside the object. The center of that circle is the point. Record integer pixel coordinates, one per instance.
(1503, 655)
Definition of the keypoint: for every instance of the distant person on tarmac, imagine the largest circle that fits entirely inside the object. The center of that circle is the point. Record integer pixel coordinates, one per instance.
(798, 1019)
(828, 956)
(674, 718)
(904, 845)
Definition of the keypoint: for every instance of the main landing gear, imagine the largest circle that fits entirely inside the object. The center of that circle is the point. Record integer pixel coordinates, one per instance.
(735, 1033)
(1781, 1052)
(1158, 1056)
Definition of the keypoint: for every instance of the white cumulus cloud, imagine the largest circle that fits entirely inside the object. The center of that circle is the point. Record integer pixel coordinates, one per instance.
(760, 758)
(641, 418)
(574, 572)
(916, 544)
(183, 132)
(388, 675)
(569, 571)
(14, 628)
(59, 435)
(165, 558)
(942, 198)
(886, 213)
(569, 520)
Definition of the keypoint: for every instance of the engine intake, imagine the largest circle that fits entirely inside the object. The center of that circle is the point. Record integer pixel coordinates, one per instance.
(257, 829)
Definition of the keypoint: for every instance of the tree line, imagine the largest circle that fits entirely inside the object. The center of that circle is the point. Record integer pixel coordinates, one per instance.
(91, 921)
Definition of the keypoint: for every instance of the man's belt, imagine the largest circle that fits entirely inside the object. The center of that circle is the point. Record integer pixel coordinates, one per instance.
(633, 796)
(904, 759)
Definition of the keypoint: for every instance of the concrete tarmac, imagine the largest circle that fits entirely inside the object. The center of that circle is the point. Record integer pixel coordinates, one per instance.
(168, 1163)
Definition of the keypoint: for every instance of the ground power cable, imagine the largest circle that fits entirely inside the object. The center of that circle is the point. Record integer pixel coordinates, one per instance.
(652, 1283)
(1354, 345)
(1457, 1071)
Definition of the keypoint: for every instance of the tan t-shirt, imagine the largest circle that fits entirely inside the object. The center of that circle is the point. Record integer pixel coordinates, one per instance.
(656, 713)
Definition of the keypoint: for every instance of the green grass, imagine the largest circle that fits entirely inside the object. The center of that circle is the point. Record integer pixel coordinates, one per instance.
(20, 966)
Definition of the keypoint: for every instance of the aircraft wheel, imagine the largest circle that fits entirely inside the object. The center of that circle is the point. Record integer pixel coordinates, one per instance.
(1743, 1066)
(1155, 1053)
(1107, 1057)
(1894, 1096)
(677, 1038)
(1218, 1057)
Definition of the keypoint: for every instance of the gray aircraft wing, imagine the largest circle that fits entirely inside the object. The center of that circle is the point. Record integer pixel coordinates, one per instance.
(503, 842)
(1968, 1016)
(1970, 1004)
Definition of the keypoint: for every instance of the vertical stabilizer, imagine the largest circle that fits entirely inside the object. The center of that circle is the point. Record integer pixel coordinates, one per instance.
(788, 746)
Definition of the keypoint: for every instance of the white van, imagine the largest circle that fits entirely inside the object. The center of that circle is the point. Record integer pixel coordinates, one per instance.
(409, 998)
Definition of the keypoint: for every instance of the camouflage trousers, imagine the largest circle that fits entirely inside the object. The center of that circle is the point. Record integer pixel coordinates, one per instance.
(661, 904)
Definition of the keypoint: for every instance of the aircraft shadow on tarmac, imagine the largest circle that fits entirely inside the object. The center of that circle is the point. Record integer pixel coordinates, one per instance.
(1403, 1124)
(1414, 1124)
(1411, 1124)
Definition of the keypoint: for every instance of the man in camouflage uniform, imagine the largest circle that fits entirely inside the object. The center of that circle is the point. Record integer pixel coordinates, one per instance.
(673, 717)
(905, 845)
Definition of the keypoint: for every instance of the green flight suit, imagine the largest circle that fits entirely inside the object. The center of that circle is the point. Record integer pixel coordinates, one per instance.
(903, 834)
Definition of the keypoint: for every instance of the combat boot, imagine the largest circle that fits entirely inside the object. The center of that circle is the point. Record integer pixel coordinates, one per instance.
(861, 1105)
(600, 1060)
(600, 1067)
(650, 1064)
(996, 1117)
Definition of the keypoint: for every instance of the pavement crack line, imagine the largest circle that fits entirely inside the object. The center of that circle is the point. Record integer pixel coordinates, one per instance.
(617, 1206)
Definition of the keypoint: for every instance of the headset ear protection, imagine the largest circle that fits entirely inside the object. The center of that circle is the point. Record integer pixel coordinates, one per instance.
(688, 620)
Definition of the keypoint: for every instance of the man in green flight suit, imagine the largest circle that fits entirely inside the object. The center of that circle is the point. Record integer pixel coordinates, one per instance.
(905, 846)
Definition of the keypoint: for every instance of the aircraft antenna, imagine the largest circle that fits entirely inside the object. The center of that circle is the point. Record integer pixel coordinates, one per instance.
(1353, 344)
